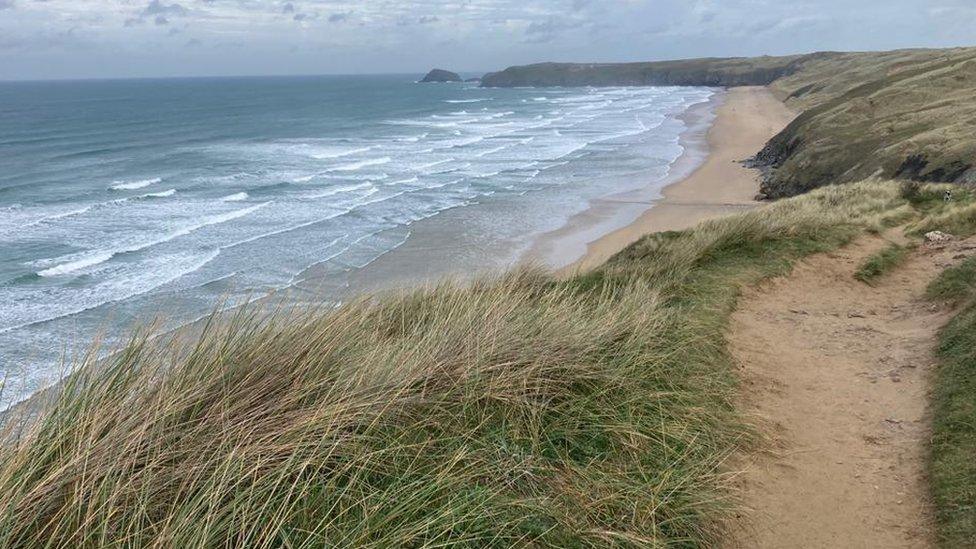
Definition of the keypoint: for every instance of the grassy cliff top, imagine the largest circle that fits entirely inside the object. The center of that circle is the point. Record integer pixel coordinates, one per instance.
(904, 114)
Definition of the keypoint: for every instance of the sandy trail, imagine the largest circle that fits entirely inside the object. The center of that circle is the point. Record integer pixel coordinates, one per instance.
(838, 373)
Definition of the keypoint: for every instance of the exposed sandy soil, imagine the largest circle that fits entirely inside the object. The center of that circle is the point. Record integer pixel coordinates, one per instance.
(837, 374)
(721, 186)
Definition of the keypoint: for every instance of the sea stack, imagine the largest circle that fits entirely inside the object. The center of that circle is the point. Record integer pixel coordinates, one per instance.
(440, 75)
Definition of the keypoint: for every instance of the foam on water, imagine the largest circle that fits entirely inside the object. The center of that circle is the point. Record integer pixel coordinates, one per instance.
(355, 166)
(132, 185)
(76, 262)
(339, 152)
(162, 194)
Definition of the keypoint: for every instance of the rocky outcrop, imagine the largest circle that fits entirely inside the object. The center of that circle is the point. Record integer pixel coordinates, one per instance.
(441, 75)
(757, 71)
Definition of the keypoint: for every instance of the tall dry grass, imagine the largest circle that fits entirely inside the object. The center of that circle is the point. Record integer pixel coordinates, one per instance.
(593, 411)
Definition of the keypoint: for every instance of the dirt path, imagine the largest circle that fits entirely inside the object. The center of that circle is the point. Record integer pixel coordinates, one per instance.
(838, 373)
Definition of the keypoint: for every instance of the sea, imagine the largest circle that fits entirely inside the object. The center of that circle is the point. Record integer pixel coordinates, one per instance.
(126, 201)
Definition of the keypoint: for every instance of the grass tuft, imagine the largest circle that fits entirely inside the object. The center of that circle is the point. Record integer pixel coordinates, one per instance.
(882, 262)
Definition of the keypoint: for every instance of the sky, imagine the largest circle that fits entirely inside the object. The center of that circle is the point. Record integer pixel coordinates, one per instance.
(42, 39)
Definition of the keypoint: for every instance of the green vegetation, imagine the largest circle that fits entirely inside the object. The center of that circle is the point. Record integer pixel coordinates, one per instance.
(593, 411)
(756, 71)
(955, 284)
(953, 469)
(904, 114)
(882, 262)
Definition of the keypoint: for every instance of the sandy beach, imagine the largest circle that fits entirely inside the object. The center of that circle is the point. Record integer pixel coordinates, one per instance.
(747, 118)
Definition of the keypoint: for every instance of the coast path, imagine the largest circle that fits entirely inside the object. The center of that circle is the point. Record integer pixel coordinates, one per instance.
(837, 374)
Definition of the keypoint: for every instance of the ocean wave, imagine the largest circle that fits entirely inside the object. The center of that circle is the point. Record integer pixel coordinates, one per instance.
(492, 151)
(423, 167)
(72, 266)
(457, 101)
(339, 152)
(404, 181)
(63, 302)
(60, 215)
(339, 190)
(363, 164)
(132, 185)
(413, 138)
(433, 123)
(162, 194)
(236, 197)
(77, 262)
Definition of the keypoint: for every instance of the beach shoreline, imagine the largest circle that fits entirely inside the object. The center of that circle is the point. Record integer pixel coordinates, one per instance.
(745, 119)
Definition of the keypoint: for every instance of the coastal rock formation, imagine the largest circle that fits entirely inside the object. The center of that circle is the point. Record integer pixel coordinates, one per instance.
(757, 71)
(906, 114)
(441, 75)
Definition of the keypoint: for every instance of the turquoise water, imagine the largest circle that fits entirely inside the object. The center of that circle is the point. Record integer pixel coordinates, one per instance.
(121, 199)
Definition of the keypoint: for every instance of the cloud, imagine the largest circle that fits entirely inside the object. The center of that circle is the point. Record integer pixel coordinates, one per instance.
(156, 7)
(549, 30)
(391, 35)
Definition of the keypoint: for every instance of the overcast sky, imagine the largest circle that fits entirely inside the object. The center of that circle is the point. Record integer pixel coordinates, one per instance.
(120, 38)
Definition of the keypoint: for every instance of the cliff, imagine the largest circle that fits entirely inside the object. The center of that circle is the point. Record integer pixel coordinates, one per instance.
(905, 114)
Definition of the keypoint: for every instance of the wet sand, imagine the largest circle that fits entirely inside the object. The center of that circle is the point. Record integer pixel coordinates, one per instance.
(747, 118)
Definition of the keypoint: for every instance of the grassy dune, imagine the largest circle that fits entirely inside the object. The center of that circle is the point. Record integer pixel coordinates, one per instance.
(592, 411)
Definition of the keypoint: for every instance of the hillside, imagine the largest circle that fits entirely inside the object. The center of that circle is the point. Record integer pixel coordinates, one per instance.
(692, 72)
(906, 114)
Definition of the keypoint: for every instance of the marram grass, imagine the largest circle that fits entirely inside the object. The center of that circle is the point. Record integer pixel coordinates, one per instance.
(520, 410)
